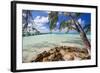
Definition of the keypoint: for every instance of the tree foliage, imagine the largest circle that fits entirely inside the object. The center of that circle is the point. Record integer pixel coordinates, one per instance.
(71, 24)
(53, 18)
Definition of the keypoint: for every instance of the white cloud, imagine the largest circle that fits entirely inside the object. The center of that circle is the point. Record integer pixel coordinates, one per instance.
(81, 21)
(40, 23)
(23, 14)
(48, 12)
(29, 25)
(40, 20)
(43, 29)
(57, 23)
(38, 17)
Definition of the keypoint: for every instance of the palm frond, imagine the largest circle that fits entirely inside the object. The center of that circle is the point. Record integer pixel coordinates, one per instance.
(53, 18)
(68, 24)
(73, 14)
(87, 28)
(78, 14)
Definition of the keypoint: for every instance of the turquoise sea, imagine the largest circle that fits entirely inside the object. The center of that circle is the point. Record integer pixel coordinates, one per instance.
(32, 45)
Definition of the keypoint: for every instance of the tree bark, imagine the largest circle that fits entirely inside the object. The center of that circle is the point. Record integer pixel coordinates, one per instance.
(85, 41)
(83, 36)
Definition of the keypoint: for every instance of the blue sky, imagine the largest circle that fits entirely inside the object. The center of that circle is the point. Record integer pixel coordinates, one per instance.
(41, 21)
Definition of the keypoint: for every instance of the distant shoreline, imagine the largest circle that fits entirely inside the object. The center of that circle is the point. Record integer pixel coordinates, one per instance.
(53, 33)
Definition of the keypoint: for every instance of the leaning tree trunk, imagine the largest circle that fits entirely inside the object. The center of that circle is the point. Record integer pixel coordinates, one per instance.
(85, 41)
(83, 36)
(26, 20)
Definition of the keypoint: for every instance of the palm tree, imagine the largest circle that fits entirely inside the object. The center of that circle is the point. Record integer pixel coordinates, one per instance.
(26, 19)
(71, 24)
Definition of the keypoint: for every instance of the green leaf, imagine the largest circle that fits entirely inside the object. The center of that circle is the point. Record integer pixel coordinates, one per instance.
(78, 14)
(53, 18)
(67, 24)
(73, 14)
(87, 28)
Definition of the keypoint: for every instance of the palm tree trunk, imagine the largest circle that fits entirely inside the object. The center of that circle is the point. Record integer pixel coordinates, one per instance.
(85, 41)
(26, 19)
(83, 36)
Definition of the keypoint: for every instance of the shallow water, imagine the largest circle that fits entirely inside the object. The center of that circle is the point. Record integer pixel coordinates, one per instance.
(33, 45)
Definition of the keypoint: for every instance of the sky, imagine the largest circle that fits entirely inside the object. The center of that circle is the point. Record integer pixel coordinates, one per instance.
(41, 21)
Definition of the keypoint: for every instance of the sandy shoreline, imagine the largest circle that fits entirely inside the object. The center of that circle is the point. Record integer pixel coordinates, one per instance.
(29, 54)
